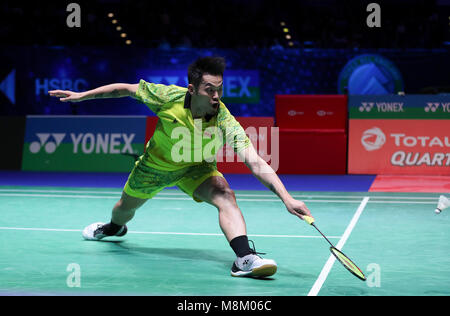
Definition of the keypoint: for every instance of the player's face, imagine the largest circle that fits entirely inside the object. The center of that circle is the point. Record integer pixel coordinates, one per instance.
(208, 94)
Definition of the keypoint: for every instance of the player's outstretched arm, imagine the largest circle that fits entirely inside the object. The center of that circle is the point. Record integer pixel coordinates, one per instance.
(265, 174)
(115, 90)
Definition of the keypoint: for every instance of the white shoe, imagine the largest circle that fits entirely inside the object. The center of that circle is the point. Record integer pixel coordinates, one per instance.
(254, 266)
(95, 231)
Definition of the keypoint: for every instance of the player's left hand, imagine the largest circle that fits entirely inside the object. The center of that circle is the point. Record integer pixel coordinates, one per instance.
(66, 95)
(297, 208)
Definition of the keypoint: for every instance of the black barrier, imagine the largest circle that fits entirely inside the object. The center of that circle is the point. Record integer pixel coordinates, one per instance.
(12, 132)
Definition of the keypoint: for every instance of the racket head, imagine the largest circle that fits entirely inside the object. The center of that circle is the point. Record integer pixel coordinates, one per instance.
(347, 263)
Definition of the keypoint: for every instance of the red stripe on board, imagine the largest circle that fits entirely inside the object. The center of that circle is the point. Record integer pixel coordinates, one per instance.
(406, 183)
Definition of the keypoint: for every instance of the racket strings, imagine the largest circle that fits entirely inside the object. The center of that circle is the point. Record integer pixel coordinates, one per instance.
(349, 264)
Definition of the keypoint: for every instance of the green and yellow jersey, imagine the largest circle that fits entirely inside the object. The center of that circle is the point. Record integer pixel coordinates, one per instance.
(179, 140)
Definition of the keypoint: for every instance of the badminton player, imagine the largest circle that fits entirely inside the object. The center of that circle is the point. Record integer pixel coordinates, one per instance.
(196, 107)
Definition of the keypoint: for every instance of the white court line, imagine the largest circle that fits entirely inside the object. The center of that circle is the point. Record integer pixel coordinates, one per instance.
(61, 191)
(189, 199)
(155, 198)
(60, 196)
(238, 194)
(41, 229)
(329, 264)
(84, 196)
(160, 233)
(403, 202)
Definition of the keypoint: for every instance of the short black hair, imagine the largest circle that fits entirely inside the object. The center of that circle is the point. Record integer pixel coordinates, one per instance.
(214, 66)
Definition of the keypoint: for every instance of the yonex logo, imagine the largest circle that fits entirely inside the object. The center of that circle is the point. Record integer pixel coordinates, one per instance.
(49, 146)
(434, 106)
(366, 106)
(114, 143)
(373, 139)
(431, 106)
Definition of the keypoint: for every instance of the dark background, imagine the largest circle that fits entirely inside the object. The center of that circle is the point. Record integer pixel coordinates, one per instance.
(229, 23)
(37, 44)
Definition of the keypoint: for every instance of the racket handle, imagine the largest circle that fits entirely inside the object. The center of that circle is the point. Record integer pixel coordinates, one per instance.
(308, 219)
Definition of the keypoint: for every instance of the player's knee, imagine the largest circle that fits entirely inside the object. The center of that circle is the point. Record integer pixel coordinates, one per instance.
(224, 193)
(229, 194)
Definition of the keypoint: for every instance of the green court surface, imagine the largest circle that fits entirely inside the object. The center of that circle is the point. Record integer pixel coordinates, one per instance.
(175, 245)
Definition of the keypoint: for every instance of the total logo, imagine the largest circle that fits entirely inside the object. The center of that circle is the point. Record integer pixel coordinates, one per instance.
(87, 143)
(373, 139)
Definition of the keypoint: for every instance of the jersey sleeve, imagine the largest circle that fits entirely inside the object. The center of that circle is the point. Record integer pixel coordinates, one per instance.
(233, 133)
(155, 96)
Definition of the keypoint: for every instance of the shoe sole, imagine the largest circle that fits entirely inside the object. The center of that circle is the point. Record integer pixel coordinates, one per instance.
(260, 272)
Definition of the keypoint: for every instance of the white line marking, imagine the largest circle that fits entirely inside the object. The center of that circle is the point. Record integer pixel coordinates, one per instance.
(352, 223)
(238, 194)
(309, 201)
(61, 196)
(60, 191)
(41, 229)
(189, 199)
(159, 233)
(329, 264)
(402, 202)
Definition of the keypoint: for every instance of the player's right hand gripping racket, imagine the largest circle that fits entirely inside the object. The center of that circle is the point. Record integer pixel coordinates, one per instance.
(346, 262)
